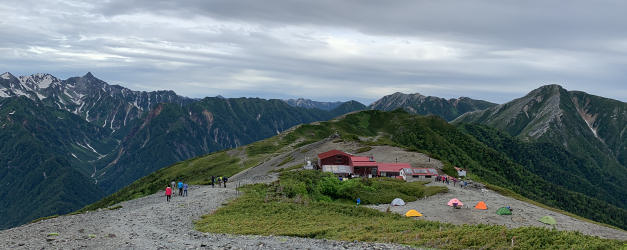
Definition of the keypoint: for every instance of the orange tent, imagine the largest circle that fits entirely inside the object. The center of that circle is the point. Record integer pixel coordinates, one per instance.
(481, 206)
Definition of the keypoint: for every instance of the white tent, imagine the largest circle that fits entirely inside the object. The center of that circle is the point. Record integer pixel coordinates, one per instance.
(398, 202)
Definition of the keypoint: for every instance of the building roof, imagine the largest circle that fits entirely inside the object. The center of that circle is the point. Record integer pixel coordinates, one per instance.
(355, 158)
(332, 153)
(392, 167)
(364, 163)
(425, 171)
(459, 169)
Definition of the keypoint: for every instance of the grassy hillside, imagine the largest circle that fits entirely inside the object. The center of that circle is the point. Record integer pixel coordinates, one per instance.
(198, 170)
(310, 204)
(430, 135)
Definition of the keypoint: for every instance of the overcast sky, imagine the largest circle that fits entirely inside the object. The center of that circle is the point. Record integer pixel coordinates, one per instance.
(324, 49)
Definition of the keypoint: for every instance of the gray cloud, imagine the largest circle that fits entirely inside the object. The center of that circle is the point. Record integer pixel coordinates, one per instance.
(324, 50)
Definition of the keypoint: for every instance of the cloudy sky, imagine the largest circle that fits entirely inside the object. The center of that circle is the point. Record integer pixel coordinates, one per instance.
(324, 49)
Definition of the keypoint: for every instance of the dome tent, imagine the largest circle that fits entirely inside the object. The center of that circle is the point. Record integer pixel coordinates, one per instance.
(455, 200)
(413, 213)
(503, 211)
(549, 220)
(398, 202)
(481, 206)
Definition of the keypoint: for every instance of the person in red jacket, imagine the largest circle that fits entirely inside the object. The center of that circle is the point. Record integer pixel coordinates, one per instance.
(168, 193)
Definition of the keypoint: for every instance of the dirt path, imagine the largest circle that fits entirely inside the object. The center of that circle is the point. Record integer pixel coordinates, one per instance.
(152, 223)
(524, 214)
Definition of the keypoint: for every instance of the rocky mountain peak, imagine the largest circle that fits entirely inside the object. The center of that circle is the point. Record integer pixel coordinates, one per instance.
(7, 76)
(38, 81)
(89, 75)
(551, 89)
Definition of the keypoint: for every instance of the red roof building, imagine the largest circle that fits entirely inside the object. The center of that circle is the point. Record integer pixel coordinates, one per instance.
(342, 163)
(391, 169)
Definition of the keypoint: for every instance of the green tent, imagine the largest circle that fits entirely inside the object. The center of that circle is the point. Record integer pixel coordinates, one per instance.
(504, 211)
(548, 220)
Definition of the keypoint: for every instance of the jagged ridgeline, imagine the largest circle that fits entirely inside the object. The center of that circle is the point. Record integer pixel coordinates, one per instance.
(474, 147)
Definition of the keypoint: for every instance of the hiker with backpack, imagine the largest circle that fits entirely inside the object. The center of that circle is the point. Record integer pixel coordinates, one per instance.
(213, 181)
(180, 188)
(185, 189)
(168, 193)
(224, 180)
(173, 185)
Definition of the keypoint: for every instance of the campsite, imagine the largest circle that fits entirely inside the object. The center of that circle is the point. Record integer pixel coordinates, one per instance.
(435, 208)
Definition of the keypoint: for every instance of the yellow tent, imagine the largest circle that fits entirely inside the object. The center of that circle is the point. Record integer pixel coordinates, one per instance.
(413, 213)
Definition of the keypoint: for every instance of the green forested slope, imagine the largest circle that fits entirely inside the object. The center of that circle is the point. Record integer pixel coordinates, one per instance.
(556, 165)
(95, 160)
(37, 170)
(172, 133)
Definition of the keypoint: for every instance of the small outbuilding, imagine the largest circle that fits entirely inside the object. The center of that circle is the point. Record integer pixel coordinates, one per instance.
(424, 173)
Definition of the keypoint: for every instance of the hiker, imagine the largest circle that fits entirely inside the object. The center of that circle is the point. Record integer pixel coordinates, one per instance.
(180, 188)
(454, 182)
(358, 201)
(185, 189)
(173, 184)
(219, 180)
(168, 193)
(213, 181)
(224, 180)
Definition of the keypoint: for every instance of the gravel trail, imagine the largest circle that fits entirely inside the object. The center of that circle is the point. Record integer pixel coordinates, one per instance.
(434, 208)
(152, 223)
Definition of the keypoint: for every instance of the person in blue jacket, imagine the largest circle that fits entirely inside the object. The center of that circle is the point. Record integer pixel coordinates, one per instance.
(185, 189)
(180, 188)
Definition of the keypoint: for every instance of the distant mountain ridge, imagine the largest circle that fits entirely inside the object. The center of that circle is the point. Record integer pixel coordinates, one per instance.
(89, 97)
(107, 136)
(430, 105)
(309, 104)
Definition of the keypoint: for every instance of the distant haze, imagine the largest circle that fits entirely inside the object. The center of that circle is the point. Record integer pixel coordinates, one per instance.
(324, 50)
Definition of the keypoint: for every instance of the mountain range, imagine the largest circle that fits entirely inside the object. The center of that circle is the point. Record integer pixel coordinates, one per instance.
(67, 143)
(87, 138)
(430, 105)
(309, 104)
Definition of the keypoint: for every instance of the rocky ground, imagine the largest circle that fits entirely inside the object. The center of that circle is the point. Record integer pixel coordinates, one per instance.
(152, 223)
(524, 214)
